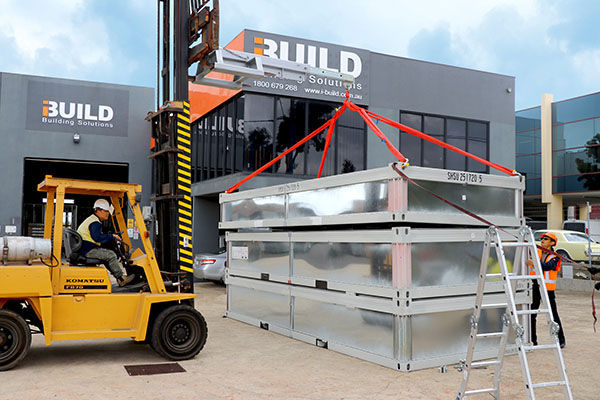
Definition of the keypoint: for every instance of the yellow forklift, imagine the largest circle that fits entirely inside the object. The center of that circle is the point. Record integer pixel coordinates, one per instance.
(46, 284)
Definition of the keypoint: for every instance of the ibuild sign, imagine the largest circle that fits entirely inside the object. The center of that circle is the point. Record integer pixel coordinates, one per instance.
(68, 108)
(316, 54)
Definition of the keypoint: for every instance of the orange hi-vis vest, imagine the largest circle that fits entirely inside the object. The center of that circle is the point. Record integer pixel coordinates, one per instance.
(549, 276)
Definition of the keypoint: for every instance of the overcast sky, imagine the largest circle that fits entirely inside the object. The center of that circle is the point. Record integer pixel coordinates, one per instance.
(549, 46)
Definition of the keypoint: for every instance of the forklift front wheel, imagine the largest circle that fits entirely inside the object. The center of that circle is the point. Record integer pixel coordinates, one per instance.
(179, 333)
(15, 339)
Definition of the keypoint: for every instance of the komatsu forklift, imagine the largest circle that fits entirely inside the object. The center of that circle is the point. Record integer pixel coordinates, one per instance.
(47, 285)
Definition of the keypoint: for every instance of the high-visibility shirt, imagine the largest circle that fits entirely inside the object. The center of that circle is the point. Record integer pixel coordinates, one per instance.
(84, 229)
(550, 275)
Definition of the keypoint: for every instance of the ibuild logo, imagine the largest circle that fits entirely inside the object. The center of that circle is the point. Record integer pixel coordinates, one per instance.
(80, 114)
(349, 62)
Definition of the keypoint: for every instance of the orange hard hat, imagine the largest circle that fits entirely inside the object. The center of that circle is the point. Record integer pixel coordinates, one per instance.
(550, 235)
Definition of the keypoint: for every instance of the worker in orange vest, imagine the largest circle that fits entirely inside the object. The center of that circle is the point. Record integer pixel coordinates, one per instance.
(550, 266)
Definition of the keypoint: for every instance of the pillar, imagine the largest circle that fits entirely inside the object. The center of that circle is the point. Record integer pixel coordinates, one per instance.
(554, 203)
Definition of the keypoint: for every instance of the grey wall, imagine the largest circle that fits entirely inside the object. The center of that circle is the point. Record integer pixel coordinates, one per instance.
(206, 225)
(130, 145)
(398, 83)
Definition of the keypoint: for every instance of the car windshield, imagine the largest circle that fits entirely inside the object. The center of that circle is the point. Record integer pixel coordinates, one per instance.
(576, 237)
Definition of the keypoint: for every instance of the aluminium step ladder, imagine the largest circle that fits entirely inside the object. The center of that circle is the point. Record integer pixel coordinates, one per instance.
(525, 247)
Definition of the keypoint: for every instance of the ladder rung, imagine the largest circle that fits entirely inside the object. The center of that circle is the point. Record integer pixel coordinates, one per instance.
(523, 276)
(478, 391)
(493, 275)
(548, 384)
(529, 312)
(489, 335)
(494, 305)
(476, 364)
(540, 347)
(515, 244)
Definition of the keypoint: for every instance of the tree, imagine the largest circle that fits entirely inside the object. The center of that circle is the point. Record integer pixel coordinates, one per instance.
(591, 180)
(292, 129)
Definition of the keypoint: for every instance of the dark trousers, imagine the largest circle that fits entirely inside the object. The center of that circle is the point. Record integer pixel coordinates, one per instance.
(537, 299)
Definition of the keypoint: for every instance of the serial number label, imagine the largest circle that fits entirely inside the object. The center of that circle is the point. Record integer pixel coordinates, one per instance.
(466, 177)
(289, 187)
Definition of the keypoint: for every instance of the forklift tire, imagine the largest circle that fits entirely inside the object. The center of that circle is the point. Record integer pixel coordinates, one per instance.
(179, 333)
(15, 339)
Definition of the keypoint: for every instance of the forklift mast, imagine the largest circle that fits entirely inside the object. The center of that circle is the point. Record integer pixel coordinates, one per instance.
(171, 135)
(194, 39)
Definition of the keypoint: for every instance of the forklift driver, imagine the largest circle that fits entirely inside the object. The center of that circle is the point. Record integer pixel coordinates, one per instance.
(91, 233)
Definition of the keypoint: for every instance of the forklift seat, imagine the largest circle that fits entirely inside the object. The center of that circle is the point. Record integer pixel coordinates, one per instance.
(72, 242)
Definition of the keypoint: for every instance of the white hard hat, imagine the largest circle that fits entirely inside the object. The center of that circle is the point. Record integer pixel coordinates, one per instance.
(102, 204)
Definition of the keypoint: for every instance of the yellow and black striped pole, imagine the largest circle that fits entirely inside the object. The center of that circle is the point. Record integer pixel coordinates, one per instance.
(184, 188)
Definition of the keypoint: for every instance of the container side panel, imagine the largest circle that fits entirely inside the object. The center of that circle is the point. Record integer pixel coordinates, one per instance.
(255, 209)
(456, 263)
(482, 200)
(264, 306)
(447, 333)
(362, 329)
(263, 257)
(340, 200)
(355, 263)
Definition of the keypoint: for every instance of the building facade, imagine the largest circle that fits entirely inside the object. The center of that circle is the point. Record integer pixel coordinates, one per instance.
(557, 149)
(236, 132)
(68, 129)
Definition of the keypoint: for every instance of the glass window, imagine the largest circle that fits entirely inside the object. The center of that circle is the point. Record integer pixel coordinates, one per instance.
(283, 109)
(477, 148)
(477, 131)
(576, 237)
(351, 119)
(221, 141)
(456, 128)
(211, 147)
(576, 109)
(239, 134)
(433, 125)
(529, 142)
(456, 133)
(318, 114)
(410, 146)
(477, 145)
(351, 153)
(453, 159)
(528, 119)
(258, 131)
(530, 165)
(250, 130)
(575, 134)
(290, 128)
(433, 155)
(350, 135)
(533, 186)
(229, 138)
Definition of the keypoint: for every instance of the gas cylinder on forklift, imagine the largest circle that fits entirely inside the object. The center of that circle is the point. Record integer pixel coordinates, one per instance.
(65, 296)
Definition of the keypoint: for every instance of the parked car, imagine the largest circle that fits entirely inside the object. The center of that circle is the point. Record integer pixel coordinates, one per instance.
(211, 266)
(571, 244)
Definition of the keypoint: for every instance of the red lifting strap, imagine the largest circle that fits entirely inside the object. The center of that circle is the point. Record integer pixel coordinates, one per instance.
(374, 128)
(424, 136)
(294, 147)
(368, 117)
